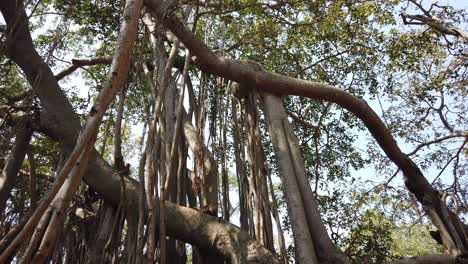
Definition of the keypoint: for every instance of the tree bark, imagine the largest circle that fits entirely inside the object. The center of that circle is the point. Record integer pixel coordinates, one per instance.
(64, 187)
(209, 232)
(291, 165)
(279, 229)
(258, 176)
(118, 158)
(454, 232)
(32, 180)
(211, 168)
(304, 244)
(13, 162)
(240, 168)
(97, 253)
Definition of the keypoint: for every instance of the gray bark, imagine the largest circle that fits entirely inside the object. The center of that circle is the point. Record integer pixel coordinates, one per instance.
(454, 231)
(13, 163)
(305, 250)
(59, 122)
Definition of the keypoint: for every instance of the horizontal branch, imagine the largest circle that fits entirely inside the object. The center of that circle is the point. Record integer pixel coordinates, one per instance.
(12, 116)
(450, 225)
(285, 85)
(213, 233)
(438, 140)
(80, 62)
(60, 122)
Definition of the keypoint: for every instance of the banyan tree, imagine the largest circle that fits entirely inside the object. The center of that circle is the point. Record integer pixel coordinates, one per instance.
(230, 131)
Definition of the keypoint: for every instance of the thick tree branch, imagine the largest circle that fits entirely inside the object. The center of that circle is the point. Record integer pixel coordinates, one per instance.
(211, 233)
(60, 123)
(13, 162)
(13, 117)
(455, 233)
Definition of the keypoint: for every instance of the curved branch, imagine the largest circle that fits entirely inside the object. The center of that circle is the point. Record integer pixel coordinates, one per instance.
(209, 232)
(455, 233)
(438, 140)
(59, 122)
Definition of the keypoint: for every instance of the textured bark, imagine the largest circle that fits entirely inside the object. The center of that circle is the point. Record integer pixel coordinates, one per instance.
(164, 74)
(253, 174)
(55, 215)
(454, 232)
(263, 190)
(279, 229)
(150, 174)
(169, 96)
(169, 190)
(224, 173)
(64, 187)
(98, 252)
(292, 172)
(209, 190)
(13, 163)
(209, 163)
(304, 244)
(8, 237)
(118, 158)
(210, 232)
(264, 231)
(240, 169)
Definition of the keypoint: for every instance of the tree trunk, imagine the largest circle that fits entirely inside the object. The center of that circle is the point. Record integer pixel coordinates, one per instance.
(97, 253)
(13, 163)
(118, 158)
(294, 177)
(240, 168)
(305, 250)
